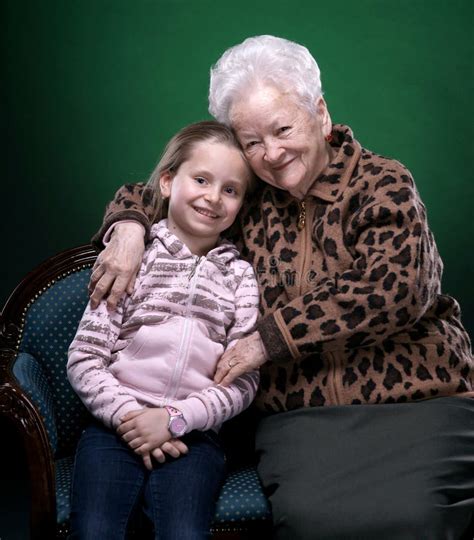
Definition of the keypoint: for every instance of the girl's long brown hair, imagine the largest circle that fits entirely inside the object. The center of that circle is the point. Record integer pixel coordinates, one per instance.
(177, 151)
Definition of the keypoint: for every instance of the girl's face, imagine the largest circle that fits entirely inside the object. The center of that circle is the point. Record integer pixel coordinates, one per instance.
(205, 194)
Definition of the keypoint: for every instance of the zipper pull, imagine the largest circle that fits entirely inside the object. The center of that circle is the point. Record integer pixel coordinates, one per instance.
(302, 216)
(194, 268)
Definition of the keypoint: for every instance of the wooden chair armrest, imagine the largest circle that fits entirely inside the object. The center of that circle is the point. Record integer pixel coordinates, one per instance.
(17, 408)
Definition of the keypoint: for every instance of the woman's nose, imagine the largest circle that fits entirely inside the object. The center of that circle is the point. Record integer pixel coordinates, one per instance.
(273, 152)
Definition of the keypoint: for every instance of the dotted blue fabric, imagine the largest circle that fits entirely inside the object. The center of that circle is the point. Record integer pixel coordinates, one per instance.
(64, 468)
(34, 382)
(241, 498)
(50, 325)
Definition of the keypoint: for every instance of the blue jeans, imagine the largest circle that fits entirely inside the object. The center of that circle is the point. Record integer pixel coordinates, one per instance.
(111, 485)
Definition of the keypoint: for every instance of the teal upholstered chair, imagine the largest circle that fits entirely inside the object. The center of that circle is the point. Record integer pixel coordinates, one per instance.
(36, 326)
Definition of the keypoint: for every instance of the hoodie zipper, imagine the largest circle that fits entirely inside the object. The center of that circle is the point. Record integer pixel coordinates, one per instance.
(193, 269)
(187, 327)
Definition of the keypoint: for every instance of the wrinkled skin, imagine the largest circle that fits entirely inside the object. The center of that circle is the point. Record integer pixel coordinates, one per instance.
(116, 267)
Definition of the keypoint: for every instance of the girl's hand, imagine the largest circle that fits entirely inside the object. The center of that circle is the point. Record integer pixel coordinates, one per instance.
(116, 267)
(147, 461)
(145, 430)
(174, 448)
(247, 355)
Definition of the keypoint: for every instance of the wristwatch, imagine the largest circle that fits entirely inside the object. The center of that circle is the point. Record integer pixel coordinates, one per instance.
(177, 424)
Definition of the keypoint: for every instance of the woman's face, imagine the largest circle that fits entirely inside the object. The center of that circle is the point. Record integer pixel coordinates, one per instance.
(284, 144)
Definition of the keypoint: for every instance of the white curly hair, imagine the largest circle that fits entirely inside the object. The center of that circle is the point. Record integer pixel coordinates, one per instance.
(265, 59)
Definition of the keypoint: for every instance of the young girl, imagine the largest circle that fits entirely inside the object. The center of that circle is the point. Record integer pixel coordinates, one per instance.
(145, 371)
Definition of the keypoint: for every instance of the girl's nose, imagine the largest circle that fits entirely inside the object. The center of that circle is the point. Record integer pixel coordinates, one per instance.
(213, 196)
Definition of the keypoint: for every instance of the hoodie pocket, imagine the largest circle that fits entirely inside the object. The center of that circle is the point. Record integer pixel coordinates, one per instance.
(147, 363)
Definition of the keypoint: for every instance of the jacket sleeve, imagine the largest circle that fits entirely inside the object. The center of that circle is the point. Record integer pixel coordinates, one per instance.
(246, 307)
(394, 278)
(88, 365)
(211, 407)
(131, 202)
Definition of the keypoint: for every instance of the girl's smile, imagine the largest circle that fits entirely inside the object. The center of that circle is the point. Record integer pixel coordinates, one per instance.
(206, 212)
(205, 194)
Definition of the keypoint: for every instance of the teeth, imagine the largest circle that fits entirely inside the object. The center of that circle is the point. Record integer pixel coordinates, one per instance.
(205, 213)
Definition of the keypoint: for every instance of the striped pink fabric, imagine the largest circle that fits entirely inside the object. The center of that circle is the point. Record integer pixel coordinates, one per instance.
(161, 346)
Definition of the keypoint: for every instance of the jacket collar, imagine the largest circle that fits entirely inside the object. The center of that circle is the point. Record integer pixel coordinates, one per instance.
(224, 253)
(335, 177)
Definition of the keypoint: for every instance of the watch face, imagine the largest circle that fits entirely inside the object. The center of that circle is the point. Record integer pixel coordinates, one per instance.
(178, 426)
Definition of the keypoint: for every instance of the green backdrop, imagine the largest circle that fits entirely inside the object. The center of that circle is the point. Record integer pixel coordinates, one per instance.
(94, 88)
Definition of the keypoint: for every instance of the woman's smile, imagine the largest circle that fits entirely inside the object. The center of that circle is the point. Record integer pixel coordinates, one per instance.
(283, 165)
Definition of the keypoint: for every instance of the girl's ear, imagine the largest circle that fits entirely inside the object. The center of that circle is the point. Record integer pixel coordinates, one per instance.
(166, 179)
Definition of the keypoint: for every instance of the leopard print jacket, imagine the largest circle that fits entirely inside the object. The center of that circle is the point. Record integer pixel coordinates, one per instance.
(351, 304)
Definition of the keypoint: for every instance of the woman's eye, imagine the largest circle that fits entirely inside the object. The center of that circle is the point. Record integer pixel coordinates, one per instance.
(283, 129)
(250, 144)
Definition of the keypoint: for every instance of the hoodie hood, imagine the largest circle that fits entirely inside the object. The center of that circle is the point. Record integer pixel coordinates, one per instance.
(224, 253)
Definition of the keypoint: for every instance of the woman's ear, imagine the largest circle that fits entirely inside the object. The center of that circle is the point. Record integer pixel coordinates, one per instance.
(324, 117)
(166, 179)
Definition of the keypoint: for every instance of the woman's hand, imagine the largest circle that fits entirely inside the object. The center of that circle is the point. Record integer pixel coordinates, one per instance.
(248, 354)
(116, 267)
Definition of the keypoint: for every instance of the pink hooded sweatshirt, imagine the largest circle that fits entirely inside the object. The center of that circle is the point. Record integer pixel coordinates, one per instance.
(161, 345)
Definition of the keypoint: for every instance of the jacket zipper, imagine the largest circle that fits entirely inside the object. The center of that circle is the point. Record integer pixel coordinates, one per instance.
(185, 338)
(305, 224)
(334, 369)
(302, 216)
(305, 219)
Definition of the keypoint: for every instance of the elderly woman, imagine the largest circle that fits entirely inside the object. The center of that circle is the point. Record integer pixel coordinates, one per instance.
(355, 339)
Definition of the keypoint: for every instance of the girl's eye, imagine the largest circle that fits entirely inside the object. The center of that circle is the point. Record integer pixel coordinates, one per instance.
(200, 180)
(230, 191)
